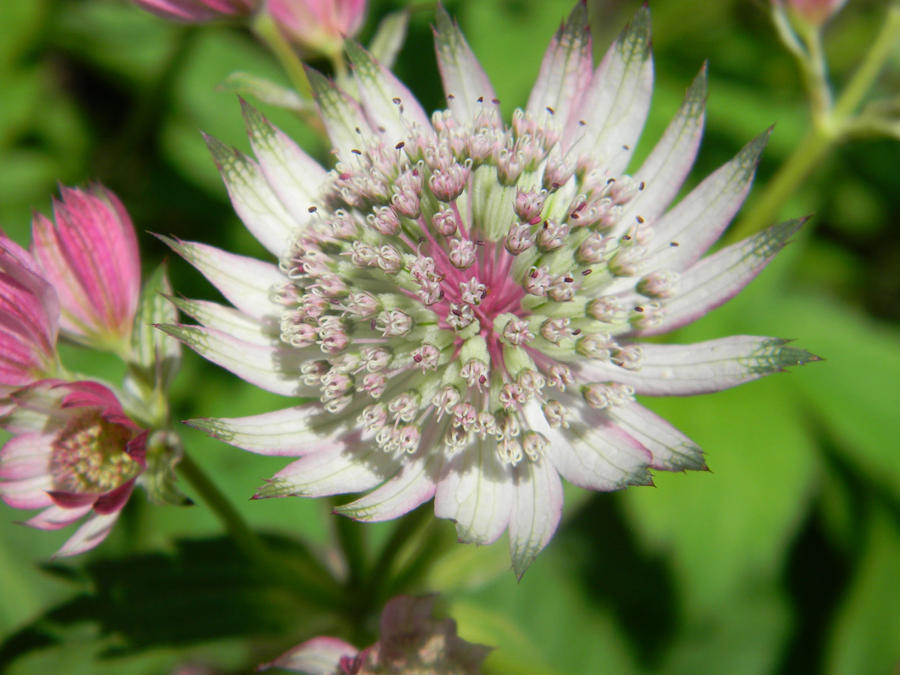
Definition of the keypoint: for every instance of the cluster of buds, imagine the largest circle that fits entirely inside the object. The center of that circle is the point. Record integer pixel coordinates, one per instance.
(74, 452)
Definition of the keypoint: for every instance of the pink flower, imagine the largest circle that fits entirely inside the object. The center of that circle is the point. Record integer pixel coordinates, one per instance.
(411, 642)
(814, 12)
(29, 319)
(91, 258)
(198, 10)
(74, 453)
(318, 25)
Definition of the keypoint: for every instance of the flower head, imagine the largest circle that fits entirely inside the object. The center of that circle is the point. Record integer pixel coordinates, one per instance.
(30, 323)
(466, 299)
(194, 11)
(412, 641)
(74, 453)
(318, 25)
(813, 12)
(90, 256)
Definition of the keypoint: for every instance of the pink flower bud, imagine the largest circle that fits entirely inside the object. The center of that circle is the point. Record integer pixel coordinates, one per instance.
(318, 26)
(91, 258)
(815, 12)
(30, 325)
(194, 11)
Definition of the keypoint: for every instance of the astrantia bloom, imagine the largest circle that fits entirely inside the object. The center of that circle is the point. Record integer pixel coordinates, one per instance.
(411, 641)
(198, 10)
(465, 299)
(91, 258)
(74, 453)
(30, 320)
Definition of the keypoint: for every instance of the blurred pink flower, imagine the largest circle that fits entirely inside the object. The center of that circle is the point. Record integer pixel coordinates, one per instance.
(412, 641)
(91, 258)
(74, 453)
(815, 12)
(29, 320)
(198, 10)
(318, 25)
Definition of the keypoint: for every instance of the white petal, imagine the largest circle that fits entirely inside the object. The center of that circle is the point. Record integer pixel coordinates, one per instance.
(387, 102)
(476, 492)
(698, 220)
(292, 174)
(671, 449)
(718, 278)
(275, 369)
(231, 321)
(344, 120)
(253, 200)
(565, 70)
(703, 367)
(411, 487)
(91, 533)
(467, 87)
(350, 466)
(291, 432)
(668, 164)
(595, 454)
(245, 282)
(615, 105)
(537, 507)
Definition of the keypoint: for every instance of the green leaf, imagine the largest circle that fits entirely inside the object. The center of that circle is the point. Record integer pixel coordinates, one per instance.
(854, 393)
(724, 527)
(866, 630)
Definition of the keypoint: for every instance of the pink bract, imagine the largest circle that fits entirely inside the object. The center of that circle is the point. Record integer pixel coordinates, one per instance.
(74, 453)
(318, 25)
(29, 319)
(90, 256)
(193, 11)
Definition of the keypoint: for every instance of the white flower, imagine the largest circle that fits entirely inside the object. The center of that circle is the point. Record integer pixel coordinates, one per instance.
(464, 299)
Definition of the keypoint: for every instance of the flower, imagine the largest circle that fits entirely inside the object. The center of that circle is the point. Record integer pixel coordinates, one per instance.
(318, 26)
(194, 11)
(74, 453)
(466, 299)
(411, 642)
(814, 12)
(90, 256)
(30, 323)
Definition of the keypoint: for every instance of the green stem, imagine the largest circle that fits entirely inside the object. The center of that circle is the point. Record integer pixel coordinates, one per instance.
(766, 209)
(233, 522)
(405, 529)
(267, 30)
(865, 75)
(311, 581)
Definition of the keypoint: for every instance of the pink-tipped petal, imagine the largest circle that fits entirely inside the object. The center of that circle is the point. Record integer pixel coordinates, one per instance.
(319, 656)
(346, 124)
(413, 485)
(93, 531)
(196, 11)
(56, 517)
(25, 456)
(671, 449)
(565, 70)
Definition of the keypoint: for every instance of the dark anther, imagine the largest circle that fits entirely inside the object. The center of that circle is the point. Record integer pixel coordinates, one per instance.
(396, 100)
(355, 151)
(640, 219)
(674, 243)
(400, 145)
(313, 209)
(480, 99)
(495, 101)
(586, 272)
(638, 308)
(551, 110)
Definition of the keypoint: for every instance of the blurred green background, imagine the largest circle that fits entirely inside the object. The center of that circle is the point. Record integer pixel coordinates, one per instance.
(784, 558)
